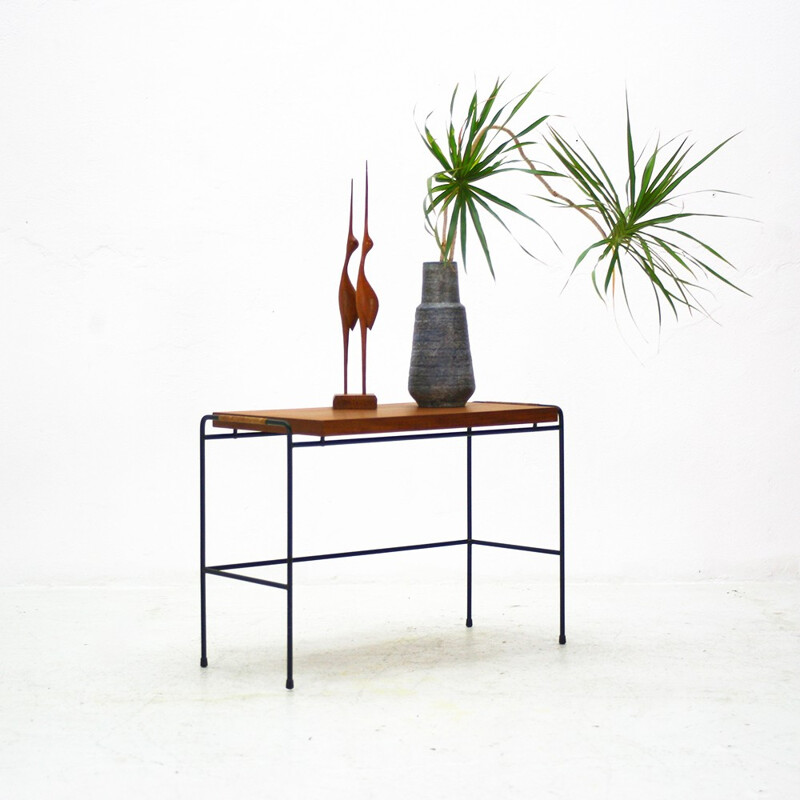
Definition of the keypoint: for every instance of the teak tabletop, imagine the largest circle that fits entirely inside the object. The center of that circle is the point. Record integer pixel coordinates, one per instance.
(387, 418)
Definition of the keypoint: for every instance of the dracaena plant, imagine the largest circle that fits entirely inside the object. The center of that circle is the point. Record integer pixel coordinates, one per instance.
(640, 227)
(643, 226)
(471, 154)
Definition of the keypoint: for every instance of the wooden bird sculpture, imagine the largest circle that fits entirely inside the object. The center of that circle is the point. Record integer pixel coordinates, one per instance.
(347, 294)
(366, 299)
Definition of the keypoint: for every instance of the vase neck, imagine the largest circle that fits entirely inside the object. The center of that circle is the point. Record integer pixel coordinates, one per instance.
(440, 282)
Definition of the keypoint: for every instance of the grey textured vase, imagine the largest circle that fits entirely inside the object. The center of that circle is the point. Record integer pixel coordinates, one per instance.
(441, 363)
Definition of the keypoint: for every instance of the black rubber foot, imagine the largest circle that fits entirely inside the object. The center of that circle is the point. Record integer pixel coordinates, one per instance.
(203, 662)
(290, 684)
(469, 622)
(562, 639)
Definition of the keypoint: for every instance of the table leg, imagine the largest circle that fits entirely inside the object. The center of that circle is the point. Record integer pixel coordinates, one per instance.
(562, 638)
(469, 527)
(289, 556)
(203, 654)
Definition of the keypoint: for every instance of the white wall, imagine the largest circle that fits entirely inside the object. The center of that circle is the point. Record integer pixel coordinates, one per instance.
(173, 189)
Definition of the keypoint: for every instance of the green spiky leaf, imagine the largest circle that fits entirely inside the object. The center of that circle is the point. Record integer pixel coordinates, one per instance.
(473, 152)
(637, 233)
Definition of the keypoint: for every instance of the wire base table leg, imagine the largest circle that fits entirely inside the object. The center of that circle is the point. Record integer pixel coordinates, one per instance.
(469, 527)
(203, 653)
(289, 565)
(562, 637)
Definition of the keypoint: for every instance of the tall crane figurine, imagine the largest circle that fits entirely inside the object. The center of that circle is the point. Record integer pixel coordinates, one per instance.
(347, 292)
(366, 299)
(357, 305)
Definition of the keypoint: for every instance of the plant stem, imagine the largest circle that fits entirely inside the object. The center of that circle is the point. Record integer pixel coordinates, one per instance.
(550, 189)
(443, 240)
(535, 172)
(444, 255)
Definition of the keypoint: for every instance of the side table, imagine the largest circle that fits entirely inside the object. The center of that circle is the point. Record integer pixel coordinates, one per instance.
(318, 427)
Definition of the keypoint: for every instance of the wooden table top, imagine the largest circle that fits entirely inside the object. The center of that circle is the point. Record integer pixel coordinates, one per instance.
(387, 418)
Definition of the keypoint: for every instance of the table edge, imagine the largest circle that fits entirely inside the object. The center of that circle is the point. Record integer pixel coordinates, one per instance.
(328, 422)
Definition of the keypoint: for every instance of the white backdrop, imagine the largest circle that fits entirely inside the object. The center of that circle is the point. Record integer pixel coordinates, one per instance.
(173, 192)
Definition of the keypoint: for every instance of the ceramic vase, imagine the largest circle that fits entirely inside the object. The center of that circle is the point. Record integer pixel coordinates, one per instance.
(441, 373)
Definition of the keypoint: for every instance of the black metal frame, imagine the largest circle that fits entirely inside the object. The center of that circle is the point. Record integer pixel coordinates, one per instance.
(224, 570)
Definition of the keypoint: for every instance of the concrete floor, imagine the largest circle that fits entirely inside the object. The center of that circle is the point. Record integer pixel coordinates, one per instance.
(663, 691)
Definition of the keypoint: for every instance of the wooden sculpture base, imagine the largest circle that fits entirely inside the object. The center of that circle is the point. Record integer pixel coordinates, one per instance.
(354, 401)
